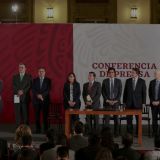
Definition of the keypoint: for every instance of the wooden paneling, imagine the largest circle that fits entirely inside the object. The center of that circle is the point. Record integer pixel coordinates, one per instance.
(92, 11)
(24, 14)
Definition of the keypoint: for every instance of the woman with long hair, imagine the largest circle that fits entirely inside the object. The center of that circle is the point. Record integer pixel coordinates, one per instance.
(71, 93)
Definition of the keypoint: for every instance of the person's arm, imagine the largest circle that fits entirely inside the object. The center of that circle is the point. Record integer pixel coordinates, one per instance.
(125, 93)
(47, 90)
(15, 85)
(118, 98)
(104, 94)
(27, 85)
(144, 92)
(84, 93)
(150, 92)
(78, 92)
(98, 93)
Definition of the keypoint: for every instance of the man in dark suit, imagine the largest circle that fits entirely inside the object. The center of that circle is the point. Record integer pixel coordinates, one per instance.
(41, 100)
(111, 92)
(91, 97)
(21, 89)
(134, 96)
(154, 95)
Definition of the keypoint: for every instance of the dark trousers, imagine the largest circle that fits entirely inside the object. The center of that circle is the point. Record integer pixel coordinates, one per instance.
(130, 124)
(92, 122)
(155, 113)
(44, 108)
(116, 122)
(115, 117)
(21, 113)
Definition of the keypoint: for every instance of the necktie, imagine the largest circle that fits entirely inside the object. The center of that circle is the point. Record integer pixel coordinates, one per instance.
(112, 89)
(41, 81)
(134, 83)
(21, 77)
(157, 90)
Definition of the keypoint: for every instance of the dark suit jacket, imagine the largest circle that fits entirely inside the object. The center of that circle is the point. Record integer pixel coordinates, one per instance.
(95, 93)
(24, 85)
(152, 86)
(106, 90)
(44, 90)
(137, 96)
(87, 153)
(76, 95)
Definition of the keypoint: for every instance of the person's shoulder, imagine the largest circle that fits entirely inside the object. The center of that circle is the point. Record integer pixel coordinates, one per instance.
(97, 83)
(118, 79)
(86, 83)
(105, 80)
(152, 81)
(77, 83)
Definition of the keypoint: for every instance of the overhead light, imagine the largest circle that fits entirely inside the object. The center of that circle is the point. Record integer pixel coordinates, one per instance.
(14, 7)
(134, 12)
(50, 13)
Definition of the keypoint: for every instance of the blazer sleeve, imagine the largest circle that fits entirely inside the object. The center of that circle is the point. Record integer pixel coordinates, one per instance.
(78, 92)
(104, 90)
(15, 85)
(28, 84)
(125, 92)
(84, 93)
(98, 93)
(65, 94)
(150, 92)
(144, 92)
(48, 88)
(119, 90)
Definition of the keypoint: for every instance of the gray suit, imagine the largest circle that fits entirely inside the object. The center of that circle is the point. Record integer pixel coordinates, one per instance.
(95, 93)
(1, 87)
(106, 93)
(22, 107)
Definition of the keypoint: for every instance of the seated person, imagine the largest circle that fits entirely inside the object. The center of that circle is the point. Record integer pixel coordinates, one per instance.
(89, 152)
(78, 141)
(154, 155)
(50, 141)
(3, 149)
(127, 152)
(63, 153)
(107, 140)
(22, 130)
(26, 152)
(104, 154)
(61, 140)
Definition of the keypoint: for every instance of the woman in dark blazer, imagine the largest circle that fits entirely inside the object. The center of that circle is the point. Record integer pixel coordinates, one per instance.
(71, 93)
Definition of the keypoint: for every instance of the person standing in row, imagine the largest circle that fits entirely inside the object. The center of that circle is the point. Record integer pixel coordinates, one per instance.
(21, 89)
(71, 95)
(91, 97)
(154, 95)
(41, 98)
(111, 92)
(134, 96)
